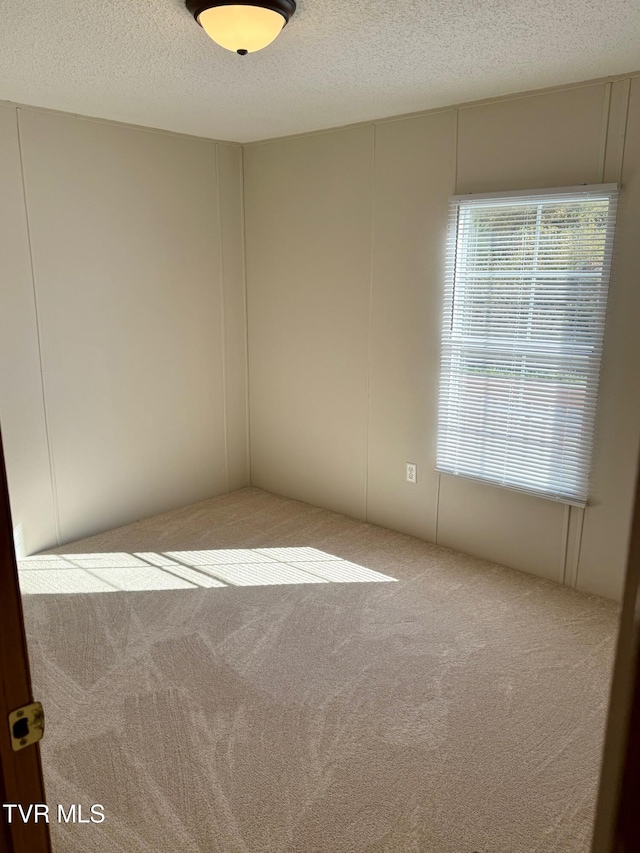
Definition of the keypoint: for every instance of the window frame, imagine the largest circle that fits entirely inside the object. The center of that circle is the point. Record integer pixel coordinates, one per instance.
(447, 399)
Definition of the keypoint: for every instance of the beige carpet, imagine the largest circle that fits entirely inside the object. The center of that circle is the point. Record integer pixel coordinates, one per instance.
(287, 701)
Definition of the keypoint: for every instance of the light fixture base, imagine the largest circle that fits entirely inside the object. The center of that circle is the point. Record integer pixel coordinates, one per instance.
(285, 7)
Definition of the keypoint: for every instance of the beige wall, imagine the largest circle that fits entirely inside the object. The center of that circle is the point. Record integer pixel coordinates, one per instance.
(22, 417)
(309, 214)
(123, 329)
(122, 322)
(345, 239)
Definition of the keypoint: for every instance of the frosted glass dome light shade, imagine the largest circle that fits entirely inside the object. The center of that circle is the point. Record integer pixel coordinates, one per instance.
(242, 27)
(237, 28)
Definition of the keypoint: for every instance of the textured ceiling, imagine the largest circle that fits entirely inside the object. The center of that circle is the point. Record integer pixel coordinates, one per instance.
(337, 62)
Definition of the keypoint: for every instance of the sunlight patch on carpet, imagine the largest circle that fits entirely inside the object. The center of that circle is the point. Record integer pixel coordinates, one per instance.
(149, 570)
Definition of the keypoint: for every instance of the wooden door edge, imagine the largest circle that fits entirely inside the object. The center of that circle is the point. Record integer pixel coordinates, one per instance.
(617, 824)
(21, 778)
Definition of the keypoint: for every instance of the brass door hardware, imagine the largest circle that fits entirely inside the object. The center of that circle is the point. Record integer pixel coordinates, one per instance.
(26, 725)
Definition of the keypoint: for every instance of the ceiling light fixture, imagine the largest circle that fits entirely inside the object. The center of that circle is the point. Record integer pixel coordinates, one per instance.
(245, 26)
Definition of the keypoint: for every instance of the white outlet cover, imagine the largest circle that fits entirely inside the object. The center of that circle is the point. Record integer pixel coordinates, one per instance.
(412, 472)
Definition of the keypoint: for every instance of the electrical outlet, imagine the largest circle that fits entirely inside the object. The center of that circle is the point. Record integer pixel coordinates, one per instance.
(412, 472)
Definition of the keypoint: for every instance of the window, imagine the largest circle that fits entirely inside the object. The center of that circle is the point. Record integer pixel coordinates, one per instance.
(524, 309)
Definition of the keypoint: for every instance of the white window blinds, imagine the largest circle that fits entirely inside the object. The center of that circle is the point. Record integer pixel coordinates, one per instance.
(524, 310)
